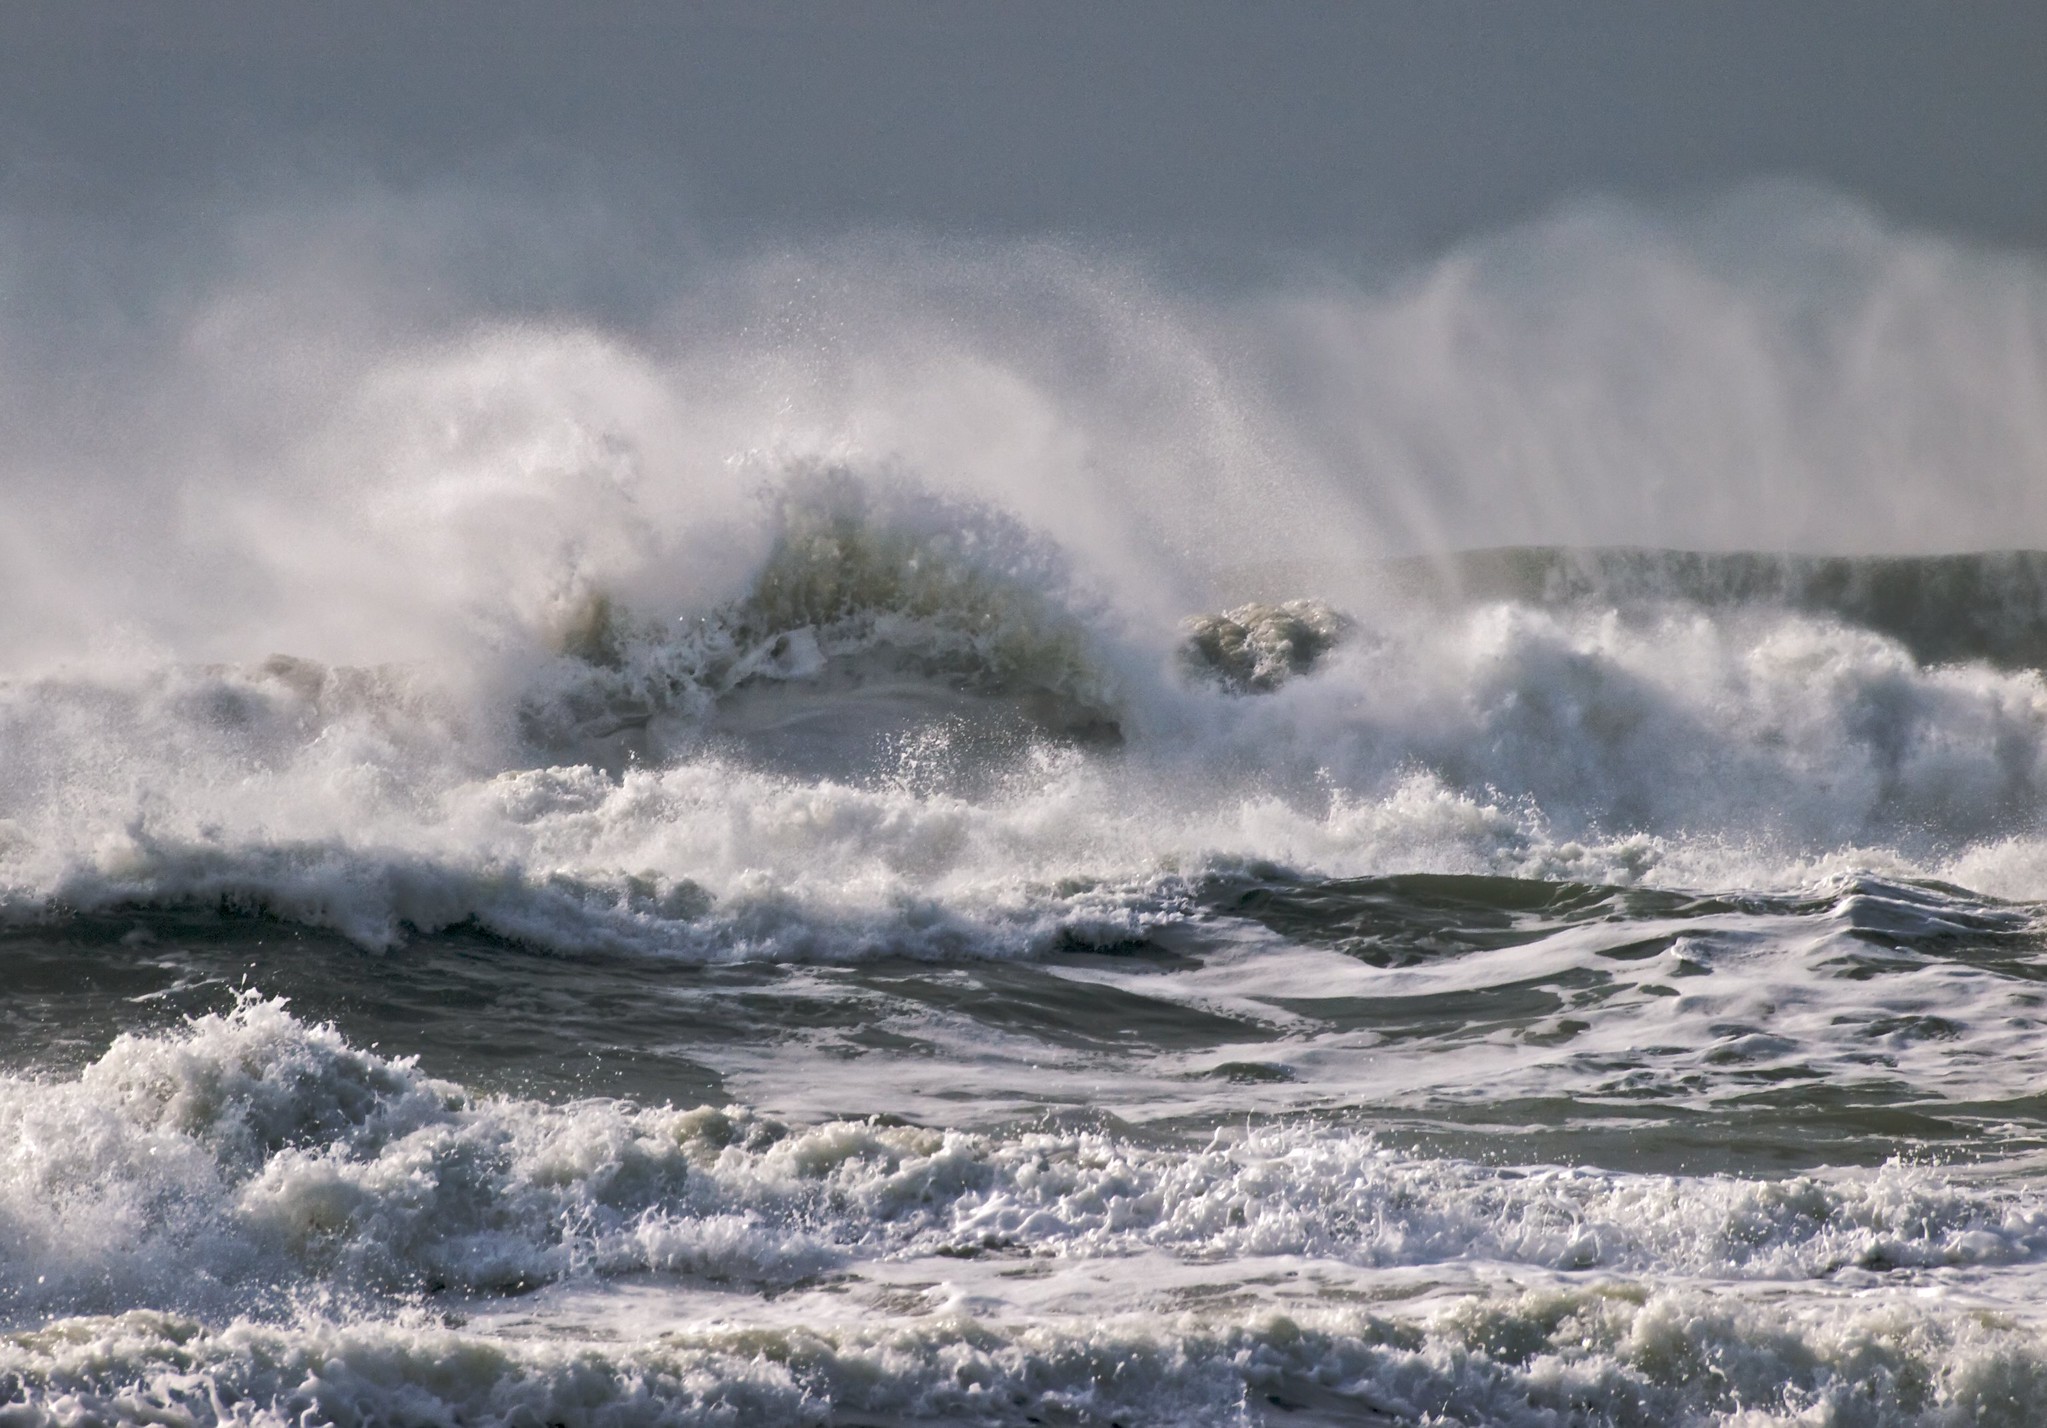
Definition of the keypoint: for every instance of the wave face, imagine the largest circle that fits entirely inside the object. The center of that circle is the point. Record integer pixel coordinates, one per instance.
(945, 836)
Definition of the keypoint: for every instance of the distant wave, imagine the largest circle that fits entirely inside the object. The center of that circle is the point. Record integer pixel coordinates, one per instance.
(1989, 605)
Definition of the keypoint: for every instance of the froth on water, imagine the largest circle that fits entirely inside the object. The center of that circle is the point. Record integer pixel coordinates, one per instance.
(924, 834)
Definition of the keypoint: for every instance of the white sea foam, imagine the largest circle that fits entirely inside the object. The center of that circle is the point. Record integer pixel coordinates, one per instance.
(1618, 1354)
(850, 617)
(253, 1153)
(905, 779)
(837, 613)
(296, 1198)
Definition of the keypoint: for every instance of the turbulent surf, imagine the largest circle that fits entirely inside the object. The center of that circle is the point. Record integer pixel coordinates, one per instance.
(560, 875)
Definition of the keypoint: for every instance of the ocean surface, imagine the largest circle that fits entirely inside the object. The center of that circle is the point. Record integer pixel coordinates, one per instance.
(1586, 987)
(524, 900)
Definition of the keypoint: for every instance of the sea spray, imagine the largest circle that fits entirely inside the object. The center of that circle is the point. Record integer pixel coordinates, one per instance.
(930, 832)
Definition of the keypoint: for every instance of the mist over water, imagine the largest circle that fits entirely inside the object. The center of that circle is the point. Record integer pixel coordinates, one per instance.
(328, 428)
(925, 831)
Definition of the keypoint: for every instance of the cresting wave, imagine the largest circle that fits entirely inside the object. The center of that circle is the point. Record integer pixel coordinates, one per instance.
(941, 835)
(842, 602)
(917, 731)
(147, 1195)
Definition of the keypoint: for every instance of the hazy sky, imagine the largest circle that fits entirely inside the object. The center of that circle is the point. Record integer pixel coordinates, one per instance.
(1385, 127)
(1309, 259)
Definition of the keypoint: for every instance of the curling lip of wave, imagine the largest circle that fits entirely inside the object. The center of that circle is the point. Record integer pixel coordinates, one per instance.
(873, 585)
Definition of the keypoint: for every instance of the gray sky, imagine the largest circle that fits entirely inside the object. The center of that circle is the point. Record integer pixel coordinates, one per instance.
(1385, 128)
(1311, 258)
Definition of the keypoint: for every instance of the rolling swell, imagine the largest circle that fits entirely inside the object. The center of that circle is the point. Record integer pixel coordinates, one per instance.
(1945, 609)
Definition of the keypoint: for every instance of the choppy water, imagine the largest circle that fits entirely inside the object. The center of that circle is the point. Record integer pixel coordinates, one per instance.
(506, 922)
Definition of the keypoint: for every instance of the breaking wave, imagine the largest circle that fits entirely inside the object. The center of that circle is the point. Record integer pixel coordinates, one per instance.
(1245, 768)
(918, 730)
(253, 1153)
(1945, 609)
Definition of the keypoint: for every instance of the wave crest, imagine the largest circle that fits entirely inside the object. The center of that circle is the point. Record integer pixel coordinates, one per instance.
(867, 586)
